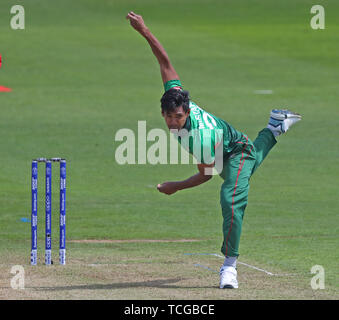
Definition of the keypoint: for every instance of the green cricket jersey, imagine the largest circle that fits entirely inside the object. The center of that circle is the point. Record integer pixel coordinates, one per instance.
(207, 132)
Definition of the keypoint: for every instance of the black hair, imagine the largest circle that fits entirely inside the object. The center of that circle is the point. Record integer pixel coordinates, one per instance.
(173, 98)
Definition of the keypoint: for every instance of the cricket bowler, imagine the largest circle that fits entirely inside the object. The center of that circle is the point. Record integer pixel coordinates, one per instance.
(241, 157)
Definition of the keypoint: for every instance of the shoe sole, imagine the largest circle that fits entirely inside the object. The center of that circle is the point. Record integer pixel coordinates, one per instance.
(284, 114)
(229, 286)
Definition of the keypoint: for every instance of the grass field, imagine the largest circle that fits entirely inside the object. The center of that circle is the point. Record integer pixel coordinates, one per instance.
(79, 73)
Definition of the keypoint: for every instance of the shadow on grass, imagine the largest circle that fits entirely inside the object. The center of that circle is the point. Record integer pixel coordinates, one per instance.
(163, 283)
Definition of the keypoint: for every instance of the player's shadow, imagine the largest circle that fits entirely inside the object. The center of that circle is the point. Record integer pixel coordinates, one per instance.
(161, 284)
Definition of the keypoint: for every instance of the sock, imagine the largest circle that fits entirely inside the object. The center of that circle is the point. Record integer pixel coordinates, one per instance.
(274, 130)
(230, 262)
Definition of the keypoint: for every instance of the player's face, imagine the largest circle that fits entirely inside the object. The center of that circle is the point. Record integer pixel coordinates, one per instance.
(176, 119)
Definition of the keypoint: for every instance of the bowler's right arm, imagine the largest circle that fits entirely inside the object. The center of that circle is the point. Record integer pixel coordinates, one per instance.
(167, 71)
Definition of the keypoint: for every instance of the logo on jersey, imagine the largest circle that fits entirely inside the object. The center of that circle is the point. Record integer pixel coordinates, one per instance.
(207, 119)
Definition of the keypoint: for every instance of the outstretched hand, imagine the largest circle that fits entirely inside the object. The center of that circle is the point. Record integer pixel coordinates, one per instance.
(136, 21)
(167, 187)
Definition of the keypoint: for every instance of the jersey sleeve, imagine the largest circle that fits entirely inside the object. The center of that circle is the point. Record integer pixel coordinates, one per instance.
(172, 84)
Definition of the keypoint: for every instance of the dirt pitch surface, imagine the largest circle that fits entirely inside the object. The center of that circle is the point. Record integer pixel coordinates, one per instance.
(127, 270)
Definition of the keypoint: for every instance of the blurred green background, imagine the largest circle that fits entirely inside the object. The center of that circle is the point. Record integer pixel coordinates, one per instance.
(79, 73)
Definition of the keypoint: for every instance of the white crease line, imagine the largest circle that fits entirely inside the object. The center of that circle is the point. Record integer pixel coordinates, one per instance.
(245, 264)
(267, 272)
(248, 265)
(204, 267)
(253, 267)
(263, 91)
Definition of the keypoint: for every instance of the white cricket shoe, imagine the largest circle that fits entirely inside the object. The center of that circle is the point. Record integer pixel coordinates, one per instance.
(281, 120)
(228, 277)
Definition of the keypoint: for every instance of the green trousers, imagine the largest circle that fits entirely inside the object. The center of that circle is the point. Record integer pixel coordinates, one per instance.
(237, 171)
